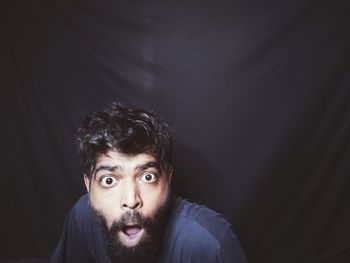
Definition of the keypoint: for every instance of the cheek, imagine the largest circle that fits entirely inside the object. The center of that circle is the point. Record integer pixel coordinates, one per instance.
(152, 199)
(107, 203)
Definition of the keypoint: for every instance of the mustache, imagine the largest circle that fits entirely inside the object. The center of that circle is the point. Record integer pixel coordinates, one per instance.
(131, 218)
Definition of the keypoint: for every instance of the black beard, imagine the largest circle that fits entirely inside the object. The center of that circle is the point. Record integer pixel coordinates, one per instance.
(147, 251)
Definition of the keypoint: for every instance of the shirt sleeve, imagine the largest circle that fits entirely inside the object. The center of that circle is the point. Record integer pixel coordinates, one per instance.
(231, 250)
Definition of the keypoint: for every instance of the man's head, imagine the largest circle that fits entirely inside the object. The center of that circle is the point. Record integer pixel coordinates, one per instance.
(126, 158)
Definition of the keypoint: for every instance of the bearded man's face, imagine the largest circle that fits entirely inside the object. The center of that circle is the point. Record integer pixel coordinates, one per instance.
(129, 195)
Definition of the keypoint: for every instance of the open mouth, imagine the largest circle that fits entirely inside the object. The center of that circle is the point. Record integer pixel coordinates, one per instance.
(131, 235)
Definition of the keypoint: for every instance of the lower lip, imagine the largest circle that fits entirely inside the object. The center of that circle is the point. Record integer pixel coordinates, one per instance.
(131, 241)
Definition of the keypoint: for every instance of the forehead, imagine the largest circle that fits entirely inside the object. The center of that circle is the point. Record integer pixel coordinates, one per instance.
(121, 159)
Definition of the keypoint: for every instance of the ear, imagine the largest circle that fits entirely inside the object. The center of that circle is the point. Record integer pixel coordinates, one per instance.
(87, 183)
(170, 174)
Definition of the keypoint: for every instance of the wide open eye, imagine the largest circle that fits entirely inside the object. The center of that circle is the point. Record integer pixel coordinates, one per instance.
(148, 177)
(108, 181)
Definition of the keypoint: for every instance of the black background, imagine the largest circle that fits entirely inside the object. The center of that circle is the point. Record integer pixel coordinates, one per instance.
(256, 91)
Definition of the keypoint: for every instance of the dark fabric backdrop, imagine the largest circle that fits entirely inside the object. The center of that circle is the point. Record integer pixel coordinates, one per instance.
(256, 91)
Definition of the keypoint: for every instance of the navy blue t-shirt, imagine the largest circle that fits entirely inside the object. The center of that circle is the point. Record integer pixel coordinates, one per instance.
(194, 234)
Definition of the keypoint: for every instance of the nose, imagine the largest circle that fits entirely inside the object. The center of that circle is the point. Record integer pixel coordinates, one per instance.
(130, 196)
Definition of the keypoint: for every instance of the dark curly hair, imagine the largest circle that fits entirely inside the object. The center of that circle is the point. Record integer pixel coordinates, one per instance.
(126, 130)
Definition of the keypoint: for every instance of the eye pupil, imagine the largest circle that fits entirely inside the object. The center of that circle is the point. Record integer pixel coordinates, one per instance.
(109, 181)
(148, 177)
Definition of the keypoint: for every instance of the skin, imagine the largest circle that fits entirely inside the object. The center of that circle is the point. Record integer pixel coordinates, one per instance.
(122, 183)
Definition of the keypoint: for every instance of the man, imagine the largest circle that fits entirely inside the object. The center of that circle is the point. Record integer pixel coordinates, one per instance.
(129, 213)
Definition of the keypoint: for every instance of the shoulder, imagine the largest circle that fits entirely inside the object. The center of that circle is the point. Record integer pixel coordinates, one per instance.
(81, 239)
(196, 233)
(78, 216)
(82, 219)
(200, 221)
(80, 211)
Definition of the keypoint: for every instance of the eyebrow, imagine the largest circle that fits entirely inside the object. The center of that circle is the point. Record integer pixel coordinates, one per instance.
(147, 165)
(110, 168)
